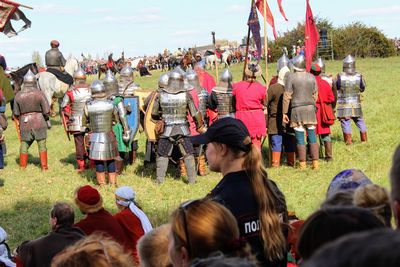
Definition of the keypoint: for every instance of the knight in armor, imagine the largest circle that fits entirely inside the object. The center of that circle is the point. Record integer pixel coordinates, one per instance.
(171, 109)
(200, 98)
(349, 85)
(100, 111)
(221, 98)
(282, 62)
(73, 115)
(31, 109)
(3, 127)
(250, 99)
(301, 92)
(55, 63)
(127, 88)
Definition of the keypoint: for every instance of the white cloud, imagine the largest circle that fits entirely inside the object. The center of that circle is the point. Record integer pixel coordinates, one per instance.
(54, 9)
(150, 10)
(237, 8)
(392, 10)
(183, 33)
(103, 10)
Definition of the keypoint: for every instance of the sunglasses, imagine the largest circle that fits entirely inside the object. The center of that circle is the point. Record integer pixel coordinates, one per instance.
(184, 207)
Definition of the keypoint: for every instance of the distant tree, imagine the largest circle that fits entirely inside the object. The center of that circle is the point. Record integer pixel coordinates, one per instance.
(37, 58)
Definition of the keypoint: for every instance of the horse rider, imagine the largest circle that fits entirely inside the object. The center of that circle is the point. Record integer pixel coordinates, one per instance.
(55, 63)
(72, 110)
(221, 99)
(110, 62)
(32, 110)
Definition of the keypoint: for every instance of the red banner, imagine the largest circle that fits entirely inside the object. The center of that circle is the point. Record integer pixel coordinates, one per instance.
(270, 17)
(7, 9)
(281, 9)
(311, 36)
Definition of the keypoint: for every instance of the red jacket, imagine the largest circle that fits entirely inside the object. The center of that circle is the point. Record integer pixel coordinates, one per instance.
(207, 81)
(326, 97)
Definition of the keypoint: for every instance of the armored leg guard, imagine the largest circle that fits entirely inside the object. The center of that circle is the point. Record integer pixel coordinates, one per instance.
(43, 160)
(162, 166)
(290, 158)
(276, 159)
(23, 160)
(347, 139)
(328, 151)
(314, 152)
(101, 178)
(191, 168)
(363, 137)
(202, 165)
(301, 150)
(112, 178)
(119, 164)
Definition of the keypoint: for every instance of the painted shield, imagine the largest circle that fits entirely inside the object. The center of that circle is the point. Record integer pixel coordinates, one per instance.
(132, 107)
(149, 123)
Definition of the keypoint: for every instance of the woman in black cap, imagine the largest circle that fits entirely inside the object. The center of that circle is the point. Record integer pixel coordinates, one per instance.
(255, 201)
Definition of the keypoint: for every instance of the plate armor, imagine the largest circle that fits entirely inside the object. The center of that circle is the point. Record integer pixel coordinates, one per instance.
(349, 102)
(77, 97)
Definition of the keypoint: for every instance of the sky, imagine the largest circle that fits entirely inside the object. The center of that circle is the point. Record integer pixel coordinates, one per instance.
(147, 27)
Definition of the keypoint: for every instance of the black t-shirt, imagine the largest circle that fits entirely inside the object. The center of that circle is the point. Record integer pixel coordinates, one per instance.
(234, 191)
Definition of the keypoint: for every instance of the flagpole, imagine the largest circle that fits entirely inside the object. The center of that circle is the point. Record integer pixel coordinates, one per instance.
(247, 47)
(266, 44)
(216, 57)
(29, 7)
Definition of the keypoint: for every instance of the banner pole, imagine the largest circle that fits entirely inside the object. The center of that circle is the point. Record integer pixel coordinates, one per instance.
(247, 48)
(266, 44)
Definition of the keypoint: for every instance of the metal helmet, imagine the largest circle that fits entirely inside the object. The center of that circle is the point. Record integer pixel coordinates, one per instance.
(127, 71)
(163, 80)
(282, 62)
(321, 64)
(98, 89)
(226, 76)
(299, 63)
(191, 75)
(349, 64)
(79, 74)
(175, 81)
(110, 84)
(30, 77)
(178, 68)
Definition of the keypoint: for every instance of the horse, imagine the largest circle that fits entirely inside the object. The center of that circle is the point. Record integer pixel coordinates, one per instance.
(17, 76)
(51, 86)
(226, 58)
(211, 59)
(173, 62)
(187, 61)
(117, 66)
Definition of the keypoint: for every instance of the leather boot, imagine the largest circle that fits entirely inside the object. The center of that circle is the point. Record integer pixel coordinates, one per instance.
(276, 159)
(112, 179)
(290, 158)
(161, 170)
(328, 151)
(202, 165)
(101, 178)
(81, 165)
(182, 168)
(191, 168)
(23, 160)
(363, 137)
(314, 153)
(132, 157)
(119, 165)
(301, 150)
(347, 139)
(43, 160)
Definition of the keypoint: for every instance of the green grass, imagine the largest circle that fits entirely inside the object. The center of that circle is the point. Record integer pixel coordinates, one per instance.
(27, 195)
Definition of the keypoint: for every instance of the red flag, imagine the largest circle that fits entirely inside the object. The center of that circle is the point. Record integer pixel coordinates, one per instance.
(270, 18)
(281, 9)
(311, 36)
(9, 10)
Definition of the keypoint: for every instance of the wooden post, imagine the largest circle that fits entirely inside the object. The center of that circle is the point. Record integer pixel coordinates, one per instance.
(266, 44)
(247, 47)
(216, 58)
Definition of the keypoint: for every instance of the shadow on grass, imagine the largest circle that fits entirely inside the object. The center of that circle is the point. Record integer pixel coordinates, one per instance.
(34, 160)
(70, 159)
(1, 182)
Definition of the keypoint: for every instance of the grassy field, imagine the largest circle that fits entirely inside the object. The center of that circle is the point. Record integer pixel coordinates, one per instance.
(27, 195)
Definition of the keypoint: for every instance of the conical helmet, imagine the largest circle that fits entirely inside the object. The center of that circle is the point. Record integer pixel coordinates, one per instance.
(282, 62)
(127, 71)
(299, 63)
(349, 64)
(29, 77)
(176, 81)
(110, 83)
(79, 74)
(321, 64)
(98, 89)
(226, 76)
(163, 80)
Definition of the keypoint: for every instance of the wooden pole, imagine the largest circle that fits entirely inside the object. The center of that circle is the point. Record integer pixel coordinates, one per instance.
(266, 44)
(29, 7)
(247, 48)
(216, 58)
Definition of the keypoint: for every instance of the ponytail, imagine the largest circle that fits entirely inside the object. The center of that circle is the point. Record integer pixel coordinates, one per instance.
(270, 226)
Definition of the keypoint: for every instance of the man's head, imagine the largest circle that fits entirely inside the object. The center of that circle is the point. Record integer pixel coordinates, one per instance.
(61, 214)
(395, 185)
(54, 44)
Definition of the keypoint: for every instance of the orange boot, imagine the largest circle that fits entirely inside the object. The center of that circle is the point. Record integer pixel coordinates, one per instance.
(43, 160)
(23, 160)
(276, 159)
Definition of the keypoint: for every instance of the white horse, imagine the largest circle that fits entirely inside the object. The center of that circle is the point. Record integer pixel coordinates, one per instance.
(51, 86)
(225, 56)
(210, 61)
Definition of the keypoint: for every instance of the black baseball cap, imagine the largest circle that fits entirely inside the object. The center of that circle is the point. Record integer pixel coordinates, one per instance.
(229, 131)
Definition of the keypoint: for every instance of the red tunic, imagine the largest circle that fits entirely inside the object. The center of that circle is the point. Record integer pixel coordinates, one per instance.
(132, 228)
(207, 81)
(325, 95)
(250, 99)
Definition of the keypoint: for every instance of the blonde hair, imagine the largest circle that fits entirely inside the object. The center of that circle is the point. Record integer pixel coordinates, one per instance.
(376, 199)
(205, 226)
(93, 251)
(153, 247)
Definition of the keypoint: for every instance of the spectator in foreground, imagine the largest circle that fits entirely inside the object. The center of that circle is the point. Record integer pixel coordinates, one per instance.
(41, 251)
(192, 238)
(5, 253)
(153, 248)
(132, 219)
(395, 185)
(346, 180)
(223, 261)
(94, 251)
